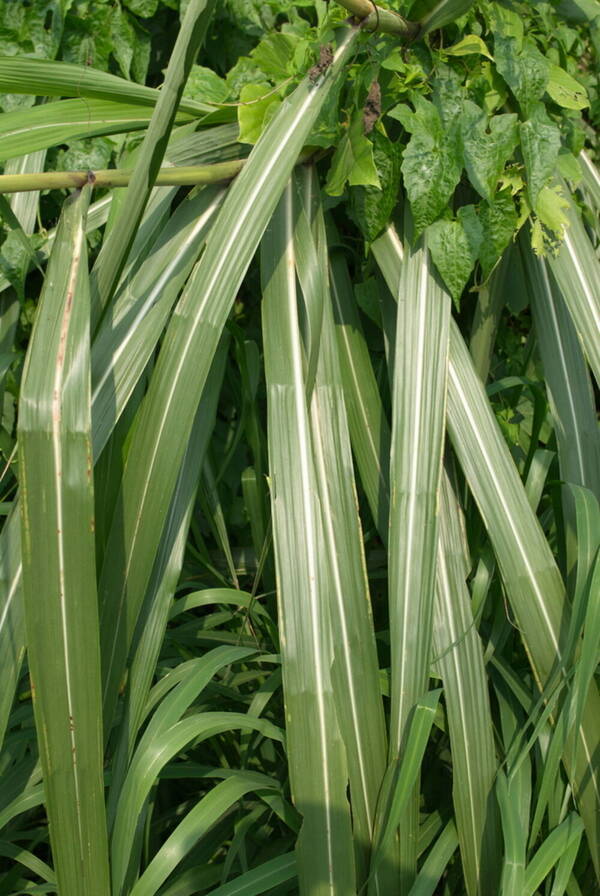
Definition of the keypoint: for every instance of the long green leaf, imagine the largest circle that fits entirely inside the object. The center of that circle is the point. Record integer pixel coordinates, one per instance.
(369, 428)
(558, 842)
(127, 338)
(260, 880)
(569, 388)
(316, 753)
(39, 127)
(435, 864)
(59, 563)
(165, 422)
(419, 402)
(459, 655)
(45, 77)
(513, 869)
(403, 775)
(196, 824)
(356, 684)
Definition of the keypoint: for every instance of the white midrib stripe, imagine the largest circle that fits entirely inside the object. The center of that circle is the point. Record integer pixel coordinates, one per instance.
(14, 585)
(595, 174)
(57, 398)
(523, 553)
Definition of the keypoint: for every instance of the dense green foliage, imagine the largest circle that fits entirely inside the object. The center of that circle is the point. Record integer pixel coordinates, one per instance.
(300, 572)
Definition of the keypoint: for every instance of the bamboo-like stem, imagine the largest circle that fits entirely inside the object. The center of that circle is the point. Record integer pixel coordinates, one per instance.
(118, 177)
(374, 18)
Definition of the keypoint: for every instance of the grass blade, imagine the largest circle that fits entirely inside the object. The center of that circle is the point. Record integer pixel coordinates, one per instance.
(262, 879)
(196, 824)
(419, 389)
(513, 870)
(559, 841)
(403, 775)
(459, 655)
(435, 864)
(44, 77)
(59, 561)
(355, 670)
(165, 575)
(316, 753)
(29, 129)
(369, 428)
(569, 389)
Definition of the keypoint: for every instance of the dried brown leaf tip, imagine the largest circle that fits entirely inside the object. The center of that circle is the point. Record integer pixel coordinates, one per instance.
(325, 60)
(372, 109)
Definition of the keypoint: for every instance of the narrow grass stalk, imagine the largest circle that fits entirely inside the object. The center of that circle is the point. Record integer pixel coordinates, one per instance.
(59, 563)
(316, 753)
(173, 176)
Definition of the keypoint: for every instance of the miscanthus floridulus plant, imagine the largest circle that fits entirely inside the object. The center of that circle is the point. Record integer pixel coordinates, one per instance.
(300, 344)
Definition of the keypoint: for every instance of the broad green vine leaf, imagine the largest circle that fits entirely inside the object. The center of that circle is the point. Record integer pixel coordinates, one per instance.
(551, 206)
(498, 219)
(569, 167)
(448, 95)
(372, 207)
(432, 162)
(526, 71)
(142, 8)
(275, 54)
(540, 145)
(353, 161)
(471, 44)
(486, 152)
(205, 86)
(565, 90)
(454, 246)
(254, 117)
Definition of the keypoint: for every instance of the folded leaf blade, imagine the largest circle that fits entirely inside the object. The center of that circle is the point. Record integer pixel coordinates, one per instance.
(59, 582)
